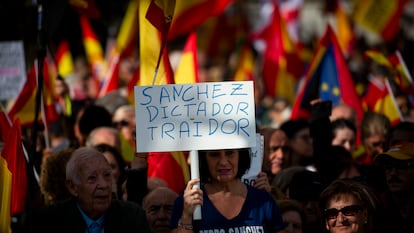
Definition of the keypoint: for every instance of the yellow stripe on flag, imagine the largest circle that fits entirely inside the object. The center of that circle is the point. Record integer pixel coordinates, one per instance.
(150, 45)
(180, 159)
(128, 27)
(5, 196)
(374, 15)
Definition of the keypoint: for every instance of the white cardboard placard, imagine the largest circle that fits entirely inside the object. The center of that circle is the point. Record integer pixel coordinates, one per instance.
(12, 69)
(256, 161)
(200, 116)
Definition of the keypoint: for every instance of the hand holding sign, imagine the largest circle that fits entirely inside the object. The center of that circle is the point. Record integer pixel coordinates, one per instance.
(195, 116)
(201, 116)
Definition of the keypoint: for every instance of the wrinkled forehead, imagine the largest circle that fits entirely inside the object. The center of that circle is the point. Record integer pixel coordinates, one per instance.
(94, 163)
(160, 198)
(278, 136)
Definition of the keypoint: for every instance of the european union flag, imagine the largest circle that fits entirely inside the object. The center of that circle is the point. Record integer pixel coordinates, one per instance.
(328, 78)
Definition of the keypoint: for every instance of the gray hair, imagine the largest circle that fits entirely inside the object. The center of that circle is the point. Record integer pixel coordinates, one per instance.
(77, 160)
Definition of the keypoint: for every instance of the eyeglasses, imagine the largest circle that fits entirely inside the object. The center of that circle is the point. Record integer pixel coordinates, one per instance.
(351, 210)
(120, 124)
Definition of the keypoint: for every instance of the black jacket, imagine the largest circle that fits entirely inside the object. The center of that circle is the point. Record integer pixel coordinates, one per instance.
(65, 217)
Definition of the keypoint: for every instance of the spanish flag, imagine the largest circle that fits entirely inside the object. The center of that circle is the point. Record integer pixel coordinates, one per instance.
(189, 14)
(93, 49)
(23, 107)
(282, 66)
(13, 173)
(64, 59)
(379, 16)
(187, 70)
(155, 69)
(379, 98)
(245, 67)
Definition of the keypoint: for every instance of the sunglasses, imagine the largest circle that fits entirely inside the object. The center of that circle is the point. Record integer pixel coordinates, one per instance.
(120, 124)
(351, 210)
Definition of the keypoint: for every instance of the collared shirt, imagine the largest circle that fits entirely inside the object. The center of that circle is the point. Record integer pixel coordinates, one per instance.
(90, 221)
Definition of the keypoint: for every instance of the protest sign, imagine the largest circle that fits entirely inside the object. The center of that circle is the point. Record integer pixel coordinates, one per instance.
(200, 116)
(12, 69)
(256, 161)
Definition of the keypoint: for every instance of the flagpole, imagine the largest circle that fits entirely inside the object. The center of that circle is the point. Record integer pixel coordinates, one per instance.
(407, 73)
(195, 174)
(41, 54)
(32, 176)
(158, 61)
(46, 130)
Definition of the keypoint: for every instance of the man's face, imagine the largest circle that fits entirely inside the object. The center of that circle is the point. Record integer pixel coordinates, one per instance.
(94, 190)
(278, 151)
(399, 175)
(158, 207)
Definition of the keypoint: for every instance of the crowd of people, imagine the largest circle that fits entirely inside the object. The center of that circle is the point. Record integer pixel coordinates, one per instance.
(317, 176)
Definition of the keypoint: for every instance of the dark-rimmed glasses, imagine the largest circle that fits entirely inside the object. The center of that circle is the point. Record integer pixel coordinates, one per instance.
(350, 210)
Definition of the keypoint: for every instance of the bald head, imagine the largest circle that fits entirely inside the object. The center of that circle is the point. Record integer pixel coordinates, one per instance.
(343, 111)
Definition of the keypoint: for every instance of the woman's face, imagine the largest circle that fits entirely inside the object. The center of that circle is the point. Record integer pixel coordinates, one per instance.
(344, 137)
(345, 214)
(292, 221)
(374, 144)
(223, 164)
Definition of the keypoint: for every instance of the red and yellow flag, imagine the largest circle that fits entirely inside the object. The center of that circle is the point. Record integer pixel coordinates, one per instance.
(379, 16)
(379, 98)
(187, 70)
(245, 66)
(87, 8)
(13, 174)
(282, 66)
(155, 69)
(23, 107)
(343, 29)
(189, 14)
(128, 31)
(402, 75)
(93, 50)
(64, 59)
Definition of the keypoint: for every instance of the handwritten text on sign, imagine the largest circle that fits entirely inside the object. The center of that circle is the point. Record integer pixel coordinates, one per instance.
(195, 116)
